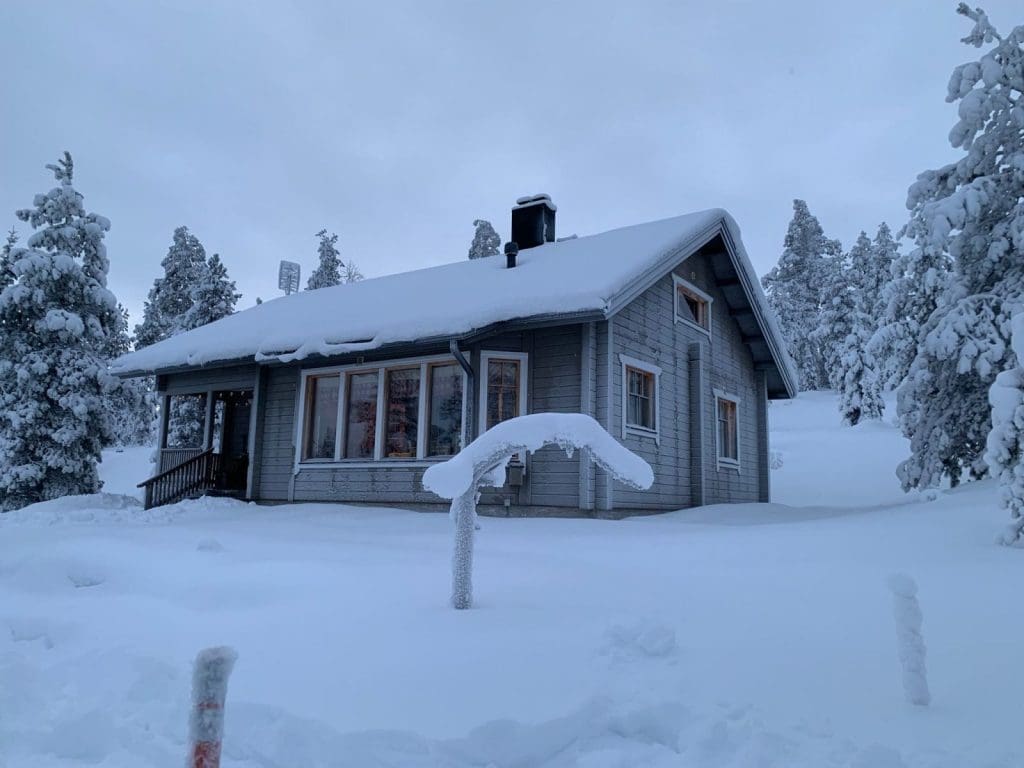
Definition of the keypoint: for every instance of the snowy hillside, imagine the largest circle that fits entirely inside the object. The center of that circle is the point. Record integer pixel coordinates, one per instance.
(734, 636)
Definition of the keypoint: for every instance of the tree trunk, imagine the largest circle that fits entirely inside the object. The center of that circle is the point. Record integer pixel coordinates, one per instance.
(464, 512)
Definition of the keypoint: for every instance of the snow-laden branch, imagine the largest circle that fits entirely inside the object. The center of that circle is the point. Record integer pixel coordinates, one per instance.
(500, 443)
(482, 463)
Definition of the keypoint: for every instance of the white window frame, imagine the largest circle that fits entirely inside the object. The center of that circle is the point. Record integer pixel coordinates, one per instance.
(722, 462)
(380, 367)
(486, 356)
(626, 362)
(677, 283)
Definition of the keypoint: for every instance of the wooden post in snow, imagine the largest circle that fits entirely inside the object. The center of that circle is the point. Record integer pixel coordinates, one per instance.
(209, 689)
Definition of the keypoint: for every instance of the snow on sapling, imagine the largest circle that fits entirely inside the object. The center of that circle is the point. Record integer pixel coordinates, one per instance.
(482, 463)
(969, 214)
(350, 273)
(55, 319)
(794, 288)
(328, 271)
(486, 241)
(1005, 446)
(907, 613)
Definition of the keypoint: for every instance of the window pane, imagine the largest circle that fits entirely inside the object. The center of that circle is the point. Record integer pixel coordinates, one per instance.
(403, 410)
(727, 430)
(186, 421)
(361, 416)
(692, 307)
(445, 417)
(502, 391)
(640, 399)
(322, 417)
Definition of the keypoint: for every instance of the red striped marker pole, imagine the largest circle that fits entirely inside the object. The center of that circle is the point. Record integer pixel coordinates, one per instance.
(209, 689)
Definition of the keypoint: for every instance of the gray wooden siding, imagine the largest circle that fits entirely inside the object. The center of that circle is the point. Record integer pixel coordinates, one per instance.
(554, 478)
(276, 443)
(728, 366)
(203, 379)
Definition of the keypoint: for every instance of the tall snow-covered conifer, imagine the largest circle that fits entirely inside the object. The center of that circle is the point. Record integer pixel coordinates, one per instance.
(213, 296)
(328, 271)
(795, 290)
(170, 298)
(969, 214)
(6, 262)
(1005, 444)
(486, 241)
(56, 318)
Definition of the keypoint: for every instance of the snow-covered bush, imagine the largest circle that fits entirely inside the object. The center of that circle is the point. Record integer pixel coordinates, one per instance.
(482, 463)
(907, 613)
(1005, 445)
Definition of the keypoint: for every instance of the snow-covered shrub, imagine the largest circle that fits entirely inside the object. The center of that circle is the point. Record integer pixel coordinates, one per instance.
(907, 613)
(1005, 446)
(482, 463)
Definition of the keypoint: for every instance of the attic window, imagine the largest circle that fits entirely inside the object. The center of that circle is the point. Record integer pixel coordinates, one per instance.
(692, 305)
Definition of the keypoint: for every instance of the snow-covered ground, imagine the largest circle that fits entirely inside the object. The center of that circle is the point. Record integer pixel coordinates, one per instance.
(725, 636)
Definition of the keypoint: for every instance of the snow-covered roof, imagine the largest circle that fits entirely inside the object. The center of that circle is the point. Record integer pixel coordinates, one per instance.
(592, 275)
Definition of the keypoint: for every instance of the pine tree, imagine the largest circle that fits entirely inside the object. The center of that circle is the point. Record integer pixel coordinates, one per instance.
(486, 241)
(860, 393)
(170, 298)
(328, 272)
(969, 214)
(796, 288)
(213, 295)
(129, 403)
(56, 319)
(1005, 443)
(6, 262)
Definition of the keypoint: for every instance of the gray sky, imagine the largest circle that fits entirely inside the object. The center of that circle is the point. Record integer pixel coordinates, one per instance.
(397, 124)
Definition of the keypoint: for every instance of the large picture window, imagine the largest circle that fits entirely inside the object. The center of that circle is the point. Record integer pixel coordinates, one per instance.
(444, 436)
(405, 409)
(361, 416)
(321, 417)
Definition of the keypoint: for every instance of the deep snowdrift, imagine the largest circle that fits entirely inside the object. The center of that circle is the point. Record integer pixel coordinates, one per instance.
(699, 638)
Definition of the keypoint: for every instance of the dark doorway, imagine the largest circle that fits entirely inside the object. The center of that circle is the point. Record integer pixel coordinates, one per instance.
(232, 411)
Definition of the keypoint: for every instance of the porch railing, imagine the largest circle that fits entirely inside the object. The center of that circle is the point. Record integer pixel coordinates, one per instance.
(172, 457)
(193, 476)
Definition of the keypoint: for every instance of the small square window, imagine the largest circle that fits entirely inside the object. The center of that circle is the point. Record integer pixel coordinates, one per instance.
(692, 305)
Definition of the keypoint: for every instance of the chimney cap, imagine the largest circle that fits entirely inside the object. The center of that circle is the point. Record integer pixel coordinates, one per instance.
(528, 200)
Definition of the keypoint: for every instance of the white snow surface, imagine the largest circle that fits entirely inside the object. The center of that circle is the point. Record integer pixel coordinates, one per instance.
(570, 431)
(722, 637)
(444, 301)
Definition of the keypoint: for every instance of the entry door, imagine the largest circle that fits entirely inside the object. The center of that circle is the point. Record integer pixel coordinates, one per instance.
(234, 447)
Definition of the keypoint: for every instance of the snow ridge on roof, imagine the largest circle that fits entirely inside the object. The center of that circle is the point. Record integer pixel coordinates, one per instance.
(451, 300)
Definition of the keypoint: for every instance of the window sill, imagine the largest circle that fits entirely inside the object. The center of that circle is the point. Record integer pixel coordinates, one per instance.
(643, 432)
(729, 464)
(369, 463)
(695, 326)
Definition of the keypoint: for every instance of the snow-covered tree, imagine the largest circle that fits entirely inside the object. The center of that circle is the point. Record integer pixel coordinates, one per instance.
(970, 215)
(486, 241)
(328, 271)
(796, 288)
(1004, 452)
(860, 393)
(6, 262)
(129, 403)
(482, 463)
(171, 296)
(350, 273)
(213, 295)
(56, 318)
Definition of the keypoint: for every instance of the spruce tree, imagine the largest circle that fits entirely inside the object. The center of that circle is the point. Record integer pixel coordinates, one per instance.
(797, 287)
(213, 296)
(130, 404)
(170, 298)
(328, 271)
(1005, 443)
(486, 241)
(56, 319)
(6, 261)
(969, 215)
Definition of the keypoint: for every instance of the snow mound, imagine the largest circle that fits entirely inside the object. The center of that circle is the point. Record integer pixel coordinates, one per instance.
(643, 639)
(112, 508)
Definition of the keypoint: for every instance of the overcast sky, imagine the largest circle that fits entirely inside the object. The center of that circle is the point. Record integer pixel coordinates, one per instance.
(397, 124)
